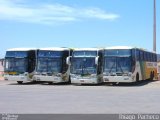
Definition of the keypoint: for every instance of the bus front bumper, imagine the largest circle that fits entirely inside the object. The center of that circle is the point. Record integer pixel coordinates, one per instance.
(53, 79)
(118, 79)
(84, 80)
(16, 78)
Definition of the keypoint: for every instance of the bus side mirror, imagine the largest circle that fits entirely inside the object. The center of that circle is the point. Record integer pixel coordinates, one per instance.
(68, 62)
(96, 60)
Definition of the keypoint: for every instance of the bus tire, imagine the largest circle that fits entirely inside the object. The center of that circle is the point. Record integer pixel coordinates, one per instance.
(19, 82)
(50, 83)
(137, 77)
(151, 76)
(69, 80)
(115, 83)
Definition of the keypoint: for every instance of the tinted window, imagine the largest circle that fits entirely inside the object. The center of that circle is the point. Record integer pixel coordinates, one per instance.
(141, 55)
(145, 56)
(49, 54)
(83, 66)
(118, 52)
(117, 64)
(137, 54)
(49, 65)
(85, 53)
(16, 65)
(19, 54)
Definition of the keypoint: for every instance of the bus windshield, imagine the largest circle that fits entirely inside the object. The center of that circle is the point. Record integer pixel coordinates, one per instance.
(16, 65)
(49, 65)
(117, 64)
(83, 66)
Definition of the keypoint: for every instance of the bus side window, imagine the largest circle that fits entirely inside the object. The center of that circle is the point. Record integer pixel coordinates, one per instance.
(141, 56)
(152, 57)
(137, 54)
(147, 59)
(155, 57)
(144, 56)
(133, 54)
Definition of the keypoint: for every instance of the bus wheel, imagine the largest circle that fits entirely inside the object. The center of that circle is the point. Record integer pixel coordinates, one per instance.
(137, 77)
(50, 83)
(69, 81)
(19, 82)
(114, 83)
(151, 75)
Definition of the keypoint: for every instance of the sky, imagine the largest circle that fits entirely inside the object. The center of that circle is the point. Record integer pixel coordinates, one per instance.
(77, 23)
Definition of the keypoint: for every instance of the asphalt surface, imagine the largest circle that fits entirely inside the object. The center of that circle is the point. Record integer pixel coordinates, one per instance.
(41, 98)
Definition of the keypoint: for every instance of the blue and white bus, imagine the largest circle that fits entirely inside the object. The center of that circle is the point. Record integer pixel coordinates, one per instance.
(20, 64)
(52, 66)
(128, 64)
(86, 66)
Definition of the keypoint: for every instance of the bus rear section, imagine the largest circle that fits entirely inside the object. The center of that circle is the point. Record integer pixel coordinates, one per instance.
(52, 65)
(20, 64)
(128, 64)
(86, 66)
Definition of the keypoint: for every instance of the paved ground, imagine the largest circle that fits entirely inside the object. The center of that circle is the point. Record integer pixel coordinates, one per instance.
(1, 78)
(42, 98)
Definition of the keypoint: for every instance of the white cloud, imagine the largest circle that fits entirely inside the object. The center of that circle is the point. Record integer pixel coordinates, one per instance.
(19, 10)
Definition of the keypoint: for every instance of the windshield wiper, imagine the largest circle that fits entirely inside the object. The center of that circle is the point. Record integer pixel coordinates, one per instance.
(112, 67)
(84, 69)
(120, 67)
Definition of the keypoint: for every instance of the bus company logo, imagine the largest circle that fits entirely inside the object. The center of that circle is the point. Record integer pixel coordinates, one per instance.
(9, 117)
(151, 65)
(139, 116)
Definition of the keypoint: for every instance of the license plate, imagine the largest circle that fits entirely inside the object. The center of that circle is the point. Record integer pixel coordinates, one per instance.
(55, 78)
(81, 80)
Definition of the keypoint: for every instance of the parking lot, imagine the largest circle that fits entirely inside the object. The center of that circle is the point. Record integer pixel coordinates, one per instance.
(143, 97)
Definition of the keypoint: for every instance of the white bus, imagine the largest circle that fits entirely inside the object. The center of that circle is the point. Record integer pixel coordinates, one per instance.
(20, 64)
(128, 64)
(52, 65)
(86, 66)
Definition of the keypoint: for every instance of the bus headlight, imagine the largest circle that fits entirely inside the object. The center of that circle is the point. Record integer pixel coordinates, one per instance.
(106, 74)
(113, 74)
(106, 79)
(25, 74)
(125, 74)
(129, 74)
(58, 75)
(93, 75)
(38, 79)
(37, 73)
(73, 76)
